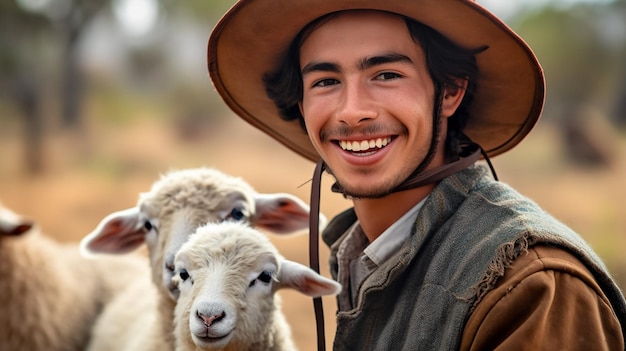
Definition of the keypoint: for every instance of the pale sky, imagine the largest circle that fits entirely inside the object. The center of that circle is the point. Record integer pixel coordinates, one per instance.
(137, 17)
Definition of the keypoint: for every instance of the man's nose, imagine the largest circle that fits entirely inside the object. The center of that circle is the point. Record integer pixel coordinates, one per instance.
(356, 104)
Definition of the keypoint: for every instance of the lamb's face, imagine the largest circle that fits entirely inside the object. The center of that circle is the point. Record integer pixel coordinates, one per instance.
(227, 286)
(169, 228)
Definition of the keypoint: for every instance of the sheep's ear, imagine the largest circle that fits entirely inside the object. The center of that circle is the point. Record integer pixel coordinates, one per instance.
(117, 233)
(303, 279)
(282, 213)
(12, 224)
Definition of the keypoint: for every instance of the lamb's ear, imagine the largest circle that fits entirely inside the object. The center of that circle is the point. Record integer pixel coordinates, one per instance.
(12, 224)
(282, 213)
(117, 233)
(303, 279)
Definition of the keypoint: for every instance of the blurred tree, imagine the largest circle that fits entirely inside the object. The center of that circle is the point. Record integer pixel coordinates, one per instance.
(21, 33)
(29, 30)
(72, 24)
(40, 43)
(618, 111)
(578, 54)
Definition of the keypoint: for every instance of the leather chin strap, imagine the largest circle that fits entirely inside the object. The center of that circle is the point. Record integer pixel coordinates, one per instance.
(470, 153)
(314, 255)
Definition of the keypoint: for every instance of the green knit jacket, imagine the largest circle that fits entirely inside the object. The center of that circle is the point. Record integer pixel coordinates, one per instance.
(469, 230)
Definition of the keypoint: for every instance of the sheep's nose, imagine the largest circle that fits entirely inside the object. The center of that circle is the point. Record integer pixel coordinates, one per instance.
(208, 320)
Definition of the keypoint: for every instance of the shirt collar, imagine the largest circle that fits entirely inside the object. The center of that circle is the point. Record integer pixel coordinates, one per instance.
(390, 241)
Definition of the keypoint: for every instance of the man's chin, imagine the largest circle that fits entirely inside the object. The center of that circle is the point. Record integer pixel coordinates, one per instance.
(362, 194)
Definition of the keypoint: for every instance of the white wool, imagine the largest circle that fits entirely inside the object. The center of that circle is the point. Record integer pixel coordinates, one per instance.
(49, 294)
(163, 218)
(228, 275)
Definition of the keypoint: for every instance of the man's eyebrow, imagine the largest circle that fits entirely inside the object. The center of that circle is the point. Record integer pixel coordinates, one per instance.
(370, 62)
(319, 66)
(363, 64)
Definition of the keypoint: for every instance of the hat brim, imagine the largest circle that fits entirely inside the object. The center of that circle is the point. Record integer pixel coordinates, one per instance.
(253, 36)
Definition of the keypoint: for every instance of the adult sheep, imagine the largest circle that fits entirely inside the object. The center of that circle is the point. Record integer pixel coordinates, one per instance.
(49, 294)
(228, 275)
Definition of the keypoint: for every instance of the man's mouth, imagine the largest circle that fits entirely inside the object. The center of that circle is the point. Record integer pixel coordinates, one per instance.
(364, 145)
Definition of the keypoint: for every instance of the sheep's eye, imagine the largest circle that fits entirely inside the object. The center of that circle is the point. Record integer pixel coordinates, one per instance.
(265, 277)
(183, 274)
(148, 226)
(237, 214)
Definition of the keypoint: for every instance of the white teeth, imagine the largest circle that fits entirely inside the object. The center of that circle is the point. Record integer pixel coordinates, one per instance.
(364, 145)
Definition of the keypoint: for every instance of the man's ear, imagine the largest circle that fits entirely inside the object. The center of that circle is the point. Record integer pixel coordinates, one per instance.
(300, 107)
(452, 97)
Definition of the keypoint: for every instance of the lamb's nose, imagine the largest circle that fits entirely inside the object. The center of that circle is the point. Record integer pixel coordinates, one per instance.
(210, 319)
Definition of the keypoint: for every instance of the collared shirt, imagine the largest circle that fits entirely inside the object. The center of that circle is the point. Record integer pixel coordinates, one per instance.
(470, 231)
(358, 258)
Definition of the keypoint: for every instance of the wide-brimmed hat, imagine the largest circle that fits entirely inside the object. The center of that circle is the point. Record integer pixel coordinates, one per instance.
(253, 37)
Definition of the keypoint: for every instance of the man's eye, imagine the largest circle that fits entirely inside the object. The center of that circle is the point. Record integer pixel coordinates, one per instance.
(387, 76)
(325, 83)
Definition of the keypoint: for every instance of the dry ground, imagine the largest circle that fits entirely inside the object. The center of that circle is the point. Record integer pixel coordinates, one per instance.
(91, 175)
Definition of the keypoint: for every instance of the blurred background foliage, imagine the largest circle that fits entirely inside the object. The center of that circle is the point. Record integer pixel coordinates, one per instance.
(55, 55)
(583, 51)
(99, 96)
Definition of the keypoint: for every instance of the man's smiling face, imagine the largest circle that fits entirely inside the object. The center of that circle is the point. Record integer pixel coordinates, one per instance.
(367, 100)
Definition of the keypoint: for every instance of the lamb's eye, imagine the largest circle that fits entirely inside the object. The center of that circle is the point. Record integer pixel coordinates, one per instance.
(183, 274)
(148, 226)
(237, 214)
(265, 277)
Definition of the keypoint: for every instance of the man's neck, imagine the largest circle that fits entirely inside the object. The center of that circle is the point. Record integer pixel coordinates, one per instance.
(376, 215)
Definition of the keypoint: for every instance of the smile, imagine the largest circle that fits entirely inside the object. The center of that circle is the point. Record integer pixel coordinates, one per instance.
(364, 145)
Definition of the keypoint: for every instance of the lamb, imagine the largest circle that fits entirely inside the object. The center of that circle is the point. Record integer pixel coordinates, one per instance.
(227, 275)
(49, 294)
(178, 203)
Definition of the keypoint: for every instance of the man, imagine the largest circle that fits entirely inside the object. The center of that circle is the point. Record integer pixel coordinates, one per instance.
(398, 99)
